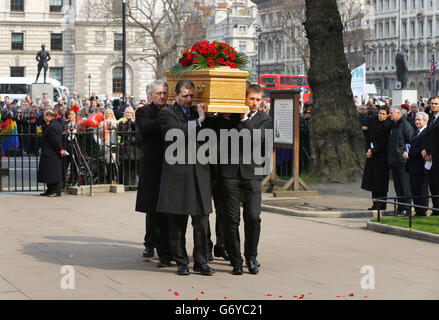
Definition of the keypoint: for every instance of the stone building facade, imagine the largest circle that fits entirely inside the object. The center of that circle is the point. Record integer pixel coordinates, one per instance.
(78, 47)
(408, 25)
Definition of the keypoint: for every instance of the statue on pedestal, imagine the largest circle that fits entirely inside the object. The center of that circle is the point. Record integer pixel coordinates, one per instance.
(42, 57)
(401, 68)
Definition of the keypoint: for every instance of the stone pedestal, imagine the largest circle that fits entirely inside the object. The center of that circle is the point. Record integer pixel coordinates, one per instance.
(399, 96)
(37, 90)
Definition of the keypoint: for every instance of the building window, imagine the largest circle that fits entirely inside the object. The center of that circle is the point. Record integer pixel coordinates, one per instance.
(387, 58)
(394, 28)
(421, 28)
(56, 41)
(17, 41)
(421, 57)
(270, 49)
(387, 29)
(55, 5)
(404, 5)
(422, 4)
(243, 29)
(118, 39)
(242, 46)
(430, 28)
(404, 29)
(412, 27)
(17, 72)
(17, 5)
(412, 58)
(117, 80)
(413, 4)
(57, 74)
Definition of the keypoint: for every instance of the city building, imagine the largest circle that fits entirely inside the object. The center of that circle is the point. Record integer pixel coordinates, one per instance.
(411, 26)
(234, 23)
(85, 54)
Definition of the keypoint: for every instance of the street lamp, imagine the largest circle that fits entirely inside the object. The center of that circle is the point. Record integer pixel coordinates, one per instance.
(124, 52)
(89, 82)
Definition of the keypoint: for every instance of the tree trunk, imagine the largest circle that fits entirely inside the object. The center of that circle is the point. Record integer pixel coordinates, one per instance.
(336, 139)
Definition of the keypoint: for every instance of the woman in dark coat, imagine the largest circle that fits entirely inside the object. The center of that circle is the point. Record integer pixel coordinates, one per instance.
(50, 166)
(129, 152)
(376, 170)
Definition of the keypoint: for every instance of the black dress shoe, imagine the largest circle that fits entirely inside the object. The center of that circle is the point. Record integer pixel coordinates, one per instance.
(210, 257)
(45, 193)
(164, 263)
(221, 253)
(237, 269)
(252, 266)
(204, 269)
(51, 195)
(374, 207)
(183, 270)
(148, 253)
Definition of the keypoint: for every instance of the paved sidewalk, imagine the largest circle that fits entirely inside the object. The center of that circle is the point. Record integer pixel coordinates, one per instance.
(101, 237)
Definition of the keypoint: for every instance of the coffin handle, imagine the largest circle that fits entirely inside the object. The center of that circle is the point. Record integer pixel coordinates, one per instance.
(200, 88)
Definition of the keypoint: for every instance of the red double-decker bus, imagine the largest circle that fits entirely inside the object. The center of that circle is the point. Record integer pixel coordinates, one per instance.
(285, 82)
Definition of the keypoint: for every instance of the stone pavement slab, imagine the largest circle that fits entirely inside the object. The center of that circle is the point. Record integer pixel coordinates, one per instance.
(101, 237)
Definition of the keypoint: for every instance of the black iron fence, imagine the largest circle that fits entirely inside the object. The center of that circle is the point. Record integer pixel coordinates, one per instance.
(395, 202)
(111, 157)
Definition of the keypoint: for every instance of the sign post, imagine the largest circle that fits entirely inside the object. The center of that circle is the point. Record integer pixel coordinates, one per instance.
(285, 112)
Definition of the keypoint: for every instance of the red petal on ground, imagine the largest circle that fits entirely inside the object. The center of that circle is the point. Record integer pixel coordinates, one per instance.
(169, 289)
(225, 297)
(281, 296)
(176, 293)
(351, 294)
(269, 294)
(366, 296)
(202, 292)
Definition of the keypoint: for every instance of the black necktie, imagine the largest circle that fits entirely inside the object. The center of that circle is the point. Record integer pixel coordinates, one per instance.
(417, 132)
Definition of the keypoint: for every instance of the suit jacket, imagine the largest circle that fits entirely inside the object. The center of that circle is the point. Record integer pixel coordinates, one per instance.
(184, 188)
(431, 144)
(243, 169)
(50, 166)
(415, 163)
(150, 135)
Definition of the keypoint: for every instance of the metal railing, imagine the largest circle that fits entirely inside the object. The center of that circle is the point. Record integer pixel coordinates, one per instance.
(405, 204)
(95, 158)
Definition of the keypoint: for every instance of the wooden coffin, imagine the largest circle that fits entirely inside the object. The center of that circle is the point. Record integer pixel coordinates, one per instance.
(221, 89)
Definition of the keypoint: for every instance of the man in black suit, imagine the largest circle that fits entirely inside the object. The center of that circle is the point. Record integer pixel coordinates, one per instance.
(185, 187)
(241, 181)
(50, 166)
(148, 124)
(400, 135)
(415, 164)
(431, 151)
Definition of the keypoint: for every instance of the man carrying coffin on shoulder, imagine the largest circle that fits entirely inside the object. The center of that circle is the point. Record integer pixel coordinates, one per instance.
(185, 188)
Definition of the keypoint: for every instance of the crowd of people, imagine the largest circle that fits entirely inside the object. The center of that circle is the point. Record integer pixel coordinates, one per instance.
(22, 123)
(402, 139)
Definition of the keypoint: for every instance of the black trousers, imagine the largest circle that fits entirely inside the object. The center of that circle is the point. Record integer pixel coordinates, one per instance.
(177, 238)
(149, 237)
(159, 231)
(401, 182)
(419, 187)
(379, 205)
(219, 221)
(250, 191)
(54, 188)
(434, 189)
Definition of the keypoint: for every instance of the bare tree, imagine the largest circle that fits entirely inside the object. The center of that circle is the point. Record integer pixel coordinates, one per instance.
(166, 24)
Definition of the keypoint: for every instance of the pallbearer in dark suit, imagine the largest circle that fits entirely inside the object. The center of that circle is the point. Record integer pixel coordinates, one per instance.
(240, 182)
(185, 188)
(50, 166)
(148, 124)
(416, 163)
(431, 151)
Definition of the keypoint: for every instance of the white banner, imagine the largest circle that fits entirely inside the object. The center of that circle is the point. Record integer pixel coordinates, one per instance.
(358, 82)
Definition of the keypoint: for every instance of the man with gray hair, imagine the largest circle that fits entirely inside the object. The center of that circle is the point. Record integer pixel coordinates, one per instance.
(399, 140)
(150, 135)
(416, 163)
